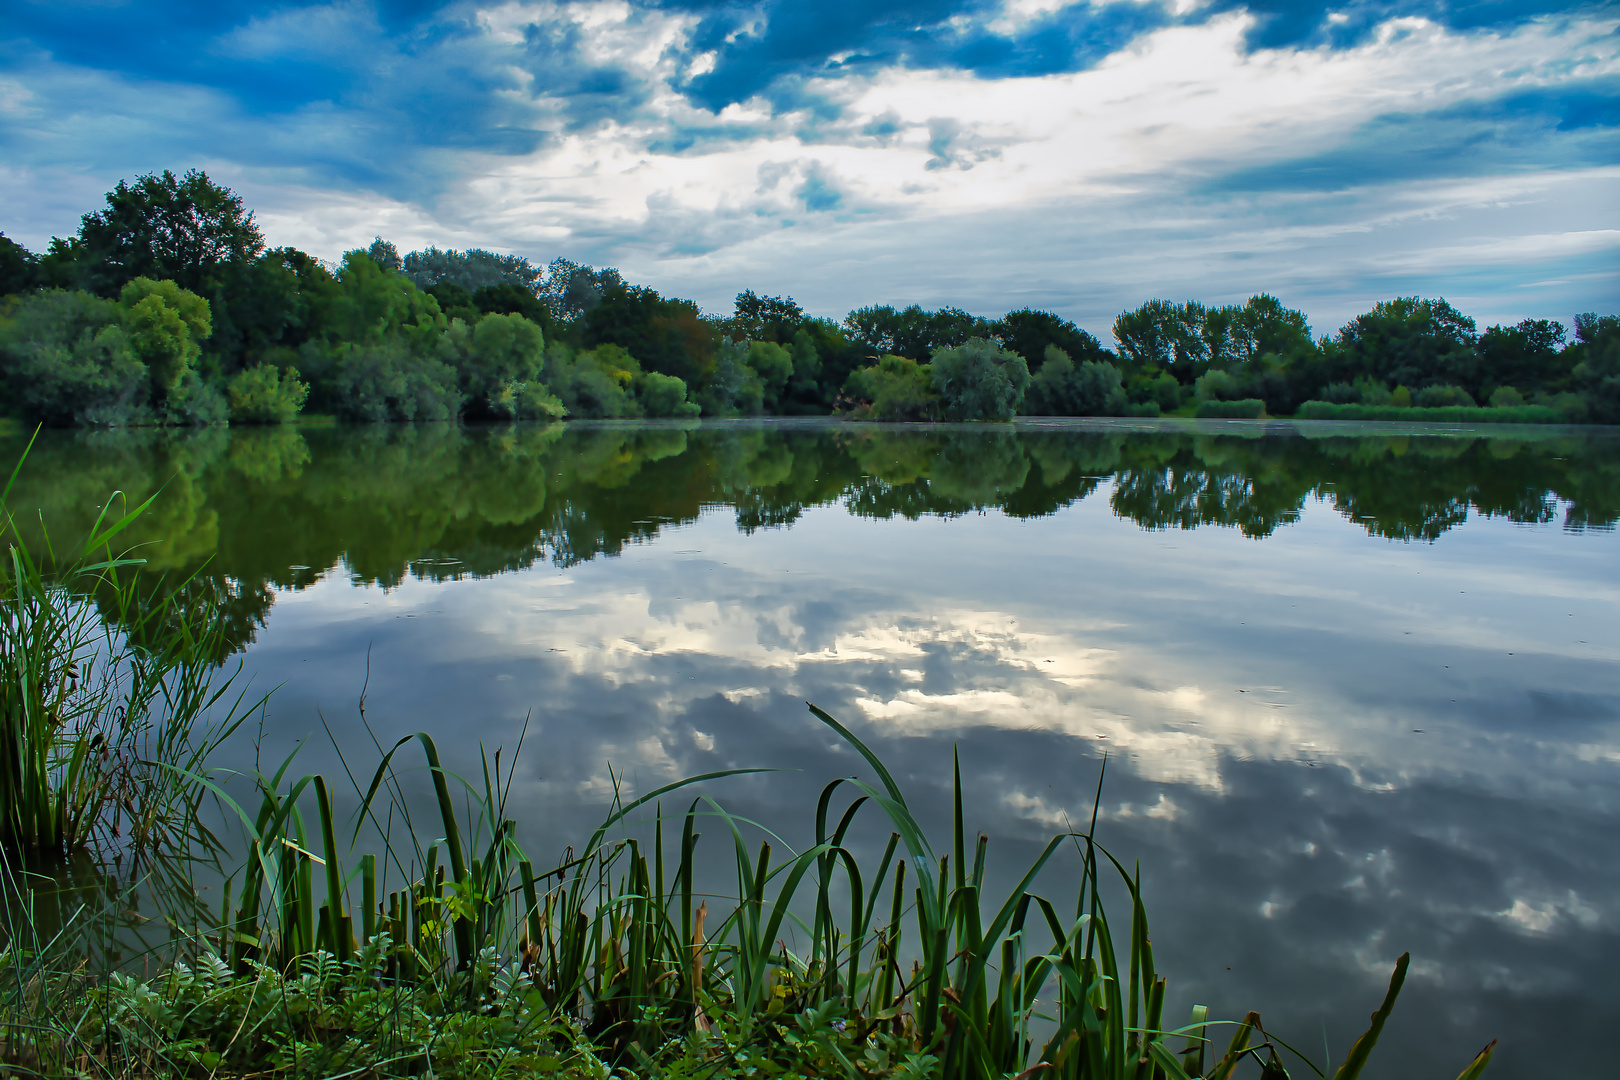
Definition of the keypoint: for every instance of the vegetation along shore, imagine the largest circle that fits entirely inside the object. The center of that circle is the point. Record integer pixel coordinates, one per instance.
(167, 308)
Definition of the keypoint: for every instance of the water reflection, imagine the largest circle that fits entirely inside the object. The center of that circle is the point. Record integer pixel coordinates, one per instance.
(272, 509)
(1359, 693)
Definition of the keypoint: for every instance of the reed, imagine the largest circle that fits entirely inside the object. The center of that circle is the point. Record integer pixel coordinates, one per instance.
(105, 687)
(907, 967)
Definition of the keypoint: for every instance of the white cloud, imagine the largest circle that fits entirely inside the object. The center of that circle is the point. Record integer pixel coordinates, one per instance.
(1083, 191)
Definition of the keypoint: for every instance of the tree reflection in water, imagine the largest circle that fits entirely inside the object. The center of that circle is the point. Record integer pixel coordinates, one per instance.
(245, 513)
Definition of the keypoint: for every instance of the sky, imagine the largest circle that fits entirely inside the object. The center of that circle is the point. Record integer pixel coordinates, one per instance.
(987, 154)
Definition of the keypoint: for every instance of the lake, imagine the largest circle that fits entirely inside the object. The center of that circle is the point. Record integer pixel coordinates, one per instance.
(1358, 685)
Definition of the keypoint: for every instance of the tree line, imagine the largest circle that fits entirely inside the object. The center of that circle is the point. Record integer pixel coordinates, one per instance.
(168, 307)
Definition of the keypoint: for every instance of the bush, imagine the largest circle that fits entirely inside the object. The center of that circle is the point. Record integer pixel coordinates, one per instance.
(1505, 397)
(1063, 388)
(197, 402)
(1143, 409)
(1439, 397)
(895, 388)
(1162, 389)
(979, 380)
(496, 359)
(1245, 409)
(65, 359)
(262, 395)
(1373, 392)
(733, 387)
(1217, 386)
(593, 384)
(665, 396)
(387, 380)
(1340, 393)
(166, 326)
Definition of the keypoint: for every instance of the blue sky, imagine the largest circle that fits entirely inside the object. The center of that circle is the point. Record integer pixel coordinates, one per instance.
(984, 153)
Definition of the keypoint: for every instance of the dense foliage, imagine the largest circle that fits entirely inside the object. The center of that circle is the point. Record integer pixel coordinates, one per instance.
(221, 327)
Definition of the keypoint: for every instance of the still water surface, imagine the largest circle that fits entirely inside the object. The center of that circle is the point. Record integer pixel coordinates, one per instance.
(1359, 687)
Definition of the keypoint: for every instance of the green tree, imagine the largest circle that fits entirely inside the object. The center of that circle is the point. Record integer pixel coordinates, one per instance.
(912, 332)
(166, 325)
(498, 359)
(1597, 370)
(979, 380)
(774, 366)
(1526, 356)
(1163, 336)
(1063, 388)
(65, 359)
(19, 268)
(181, 229)
(669, 336)
(470, 270)
(1407, 341)
(895, 388)
(733, 388)
(1030, 333)
(764, 318)
(264, 395)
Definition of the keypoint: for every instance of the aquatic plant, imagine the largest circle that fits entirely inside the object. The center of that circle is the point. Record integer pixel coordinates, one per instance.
(105, 687)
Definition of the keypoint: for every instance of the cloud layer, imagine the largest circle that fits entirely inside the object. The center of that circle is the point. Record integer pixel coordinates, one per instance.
(1080, 157)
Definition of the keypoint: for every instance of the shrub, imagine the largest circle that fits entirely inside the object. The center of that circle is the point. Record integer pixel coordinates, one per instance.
(387, 380)
(1436, 397)
(1217, 386)
(774, 366)
(979, 380)
(1505, 397)
(733, 387)
(665, 396)
(1162, 389)
(1245, 409)
(1063, 388)
(166, 326)
(1340, 393)
(593, 384)
(1373, 392)
(262, 395)
(895, 388)
(65, 359)
(197, 402)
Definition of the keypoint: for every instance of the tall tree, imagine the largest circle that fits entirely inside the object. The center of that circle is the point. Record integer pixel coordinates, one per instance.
(181, 229)
(19, 268)
(1029, 333)
(1406, 341)
(913, 332)
(1162, 335)
(764, 318)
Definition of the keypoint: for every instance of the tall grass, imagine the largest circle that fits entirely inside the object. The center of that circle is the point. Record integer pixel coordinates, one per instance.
(105, 694)
(911, 966)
